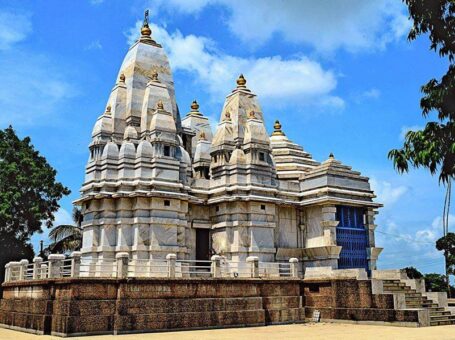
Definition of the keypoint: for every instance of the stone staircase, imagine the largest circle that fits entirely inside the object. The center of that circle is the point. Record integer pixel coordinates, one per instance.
(438, 315)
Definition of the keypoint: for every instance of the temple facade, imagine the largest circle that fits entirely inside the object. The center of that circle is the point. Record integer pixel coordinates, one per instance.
(157, 184)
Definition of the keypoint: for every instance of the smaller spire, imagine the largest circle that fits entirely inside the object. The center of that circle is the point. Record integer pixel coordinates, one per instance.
(241, 81)
(331, 156)
(122, 77)
(202, 136)
(194, 106)
(160, 105)
(277, 129)
(194, 109)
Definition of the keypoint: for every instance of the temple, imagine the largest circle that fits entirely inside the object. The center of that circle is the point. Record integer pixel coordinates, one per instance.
(157, 183)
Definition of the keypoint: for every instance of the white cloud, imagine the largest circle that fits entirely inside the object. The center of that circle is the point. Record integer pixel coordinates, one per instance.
(405, 129)
(274, 79)
(354, 25)
(387, 193)
(371, 93)
(94, 45)
(13, 28)
(31, 93)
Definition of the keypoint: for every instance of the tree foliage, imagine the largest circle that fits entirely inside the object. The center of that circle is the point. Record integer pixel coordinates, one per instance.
(447, 245)
(29, 195)
(434, 146)
(67, 237)
(435, 282)
(413, 273)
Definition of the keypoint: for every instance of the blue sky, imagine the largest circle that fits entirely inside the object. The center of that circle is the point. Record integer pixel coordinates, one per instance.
(341, 76)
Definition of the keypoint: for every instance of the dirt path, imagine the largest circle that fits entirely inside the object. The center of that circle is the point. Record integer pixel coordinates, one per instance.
(287, 332)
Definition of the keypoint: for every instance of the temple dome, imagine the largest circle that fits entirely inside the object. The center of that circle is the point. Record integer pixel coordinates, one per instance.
(127, 150)
(237, 157)
(110, 151)
(130, 133)
(144, 149)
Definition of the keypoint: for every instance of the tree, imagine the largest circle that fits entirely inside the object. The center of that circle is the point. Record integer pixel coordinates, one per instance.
(413, 273)
(67, 237)
(447, 245)
(433, 147)
(29, 195)
(435, 283)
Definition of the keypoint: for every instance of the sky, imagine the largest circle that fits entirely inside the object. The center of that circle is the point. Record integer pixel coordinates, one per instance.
(341, 77)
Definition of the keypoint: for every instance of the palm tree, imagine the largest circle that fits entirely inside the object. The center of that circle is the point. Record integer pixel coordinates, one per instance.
(67, 237)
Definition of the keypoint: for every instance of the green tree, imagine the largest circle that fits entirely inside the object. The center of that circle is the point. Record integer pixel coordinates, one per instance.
(29, 195)
(413, 273)
(433, 147)
(435, 283)
(447, 245)
(67, 237)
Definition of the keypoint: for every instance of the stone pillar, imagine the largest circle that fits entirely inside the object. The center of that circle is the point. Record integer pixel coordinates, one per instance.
(44, 274)
(55, 265)
(294, 265)
(37, 267)
(14, 268)
(7, 272)
(254, 265)
(122, 264)
(171, 259)
(23, 269)
(216, 266)
(75, 263)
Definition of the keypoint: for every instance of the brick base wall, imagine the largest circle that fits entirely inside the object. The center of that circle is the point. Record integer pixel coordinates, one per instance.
(96, 306)
(352, 300)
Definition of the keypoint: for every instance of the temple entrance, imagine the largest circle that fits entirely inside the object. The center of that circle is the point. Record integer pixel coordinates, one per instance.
(202, 244)
(352, 237)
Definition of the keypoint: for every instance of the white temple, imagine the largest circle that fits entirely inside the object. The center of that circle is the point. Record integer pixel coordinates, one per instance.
(157, 184)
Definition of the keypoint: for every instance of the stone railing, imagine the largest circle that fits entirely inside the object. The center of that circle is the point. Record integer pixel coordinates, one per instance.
(58, 266)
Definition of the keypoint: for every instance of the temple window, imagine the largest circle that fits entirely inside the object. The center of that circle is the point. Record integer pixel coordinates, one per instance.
(167, 150)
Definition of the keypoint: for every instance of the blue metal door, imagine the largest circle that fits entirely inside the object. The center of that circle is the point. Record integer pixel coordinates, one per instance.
(352, 237)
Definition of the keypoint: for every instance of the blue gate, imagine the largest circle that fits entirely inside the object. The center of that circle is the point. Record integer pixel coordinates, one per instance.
(352, 237)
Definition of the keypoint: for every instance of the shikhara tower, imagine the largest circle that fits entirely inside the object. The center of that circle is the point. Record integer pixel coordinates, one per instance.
(157, 184)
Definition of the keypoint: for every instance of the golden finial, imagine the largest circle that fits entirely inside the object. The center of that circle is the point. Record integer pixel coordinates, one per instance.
(227, 116)
(202, 135)
(122, 78)
(277, 127)
(108, 109)
(145, 30)
(194, 106)
(160, 105)
(241, 81)
(154, 76)
(251, 115)
(331, 156)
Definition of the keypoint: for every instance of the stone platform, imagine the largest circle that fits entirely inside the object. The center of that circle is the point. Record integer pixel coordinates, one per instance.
(71, 307)
(83, 306)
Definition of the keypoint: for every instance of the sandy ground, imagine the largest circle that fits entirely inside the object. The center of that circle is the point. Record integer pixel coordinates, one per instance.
(287, 332)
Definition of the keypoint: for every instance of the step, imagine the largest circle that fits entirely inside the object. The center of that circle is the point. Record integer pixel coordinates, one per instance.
(442, 323)
(437, 317)
(436, 309)
(440, 313)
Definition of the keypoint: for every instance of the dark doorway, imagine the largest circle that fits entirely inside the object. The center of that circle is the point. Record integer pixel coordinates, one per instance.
(202, 244)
